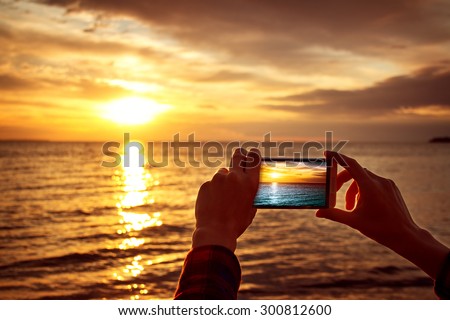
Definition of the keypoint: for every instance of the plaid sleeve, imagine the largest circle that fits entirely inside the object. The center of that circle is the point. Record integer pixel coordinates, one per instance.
(209, 273)
(442, 283)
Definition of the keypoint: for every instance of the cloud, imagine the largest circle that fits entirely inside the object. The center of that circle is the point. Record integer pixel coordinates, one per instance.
(281, 33)
(256, 80)
(68, 88)
(424, 92)
(12, 82)
(434, 111)
(227, 76)
(26, 41)
(352, 16)
(98, 23)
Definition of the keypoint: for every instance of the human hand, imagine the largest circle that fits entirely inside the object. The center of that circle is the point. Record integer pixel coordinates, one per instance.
(376, 208)
(224, 207)
(375, 204)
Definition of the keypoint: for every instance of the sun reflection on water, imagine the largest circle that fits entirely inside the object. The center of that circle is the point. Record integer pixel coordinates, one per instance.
(133, 221)
(135, 184)
(131, 243)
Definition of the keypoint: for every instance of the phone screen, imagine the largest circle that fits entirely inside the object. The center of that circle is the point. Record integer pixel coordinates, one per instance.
(294, 183)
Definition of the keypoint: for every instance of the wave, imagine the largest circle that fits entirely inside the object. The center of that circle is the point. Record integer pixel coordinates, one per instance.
(98, 236)
(95, 260)
(390, 269)
(83, 212)
(7, 228)
(54, 261)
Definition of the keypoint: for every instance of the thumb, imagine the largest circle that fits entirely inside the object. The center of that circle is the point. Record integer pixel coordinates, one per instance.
(338, 215)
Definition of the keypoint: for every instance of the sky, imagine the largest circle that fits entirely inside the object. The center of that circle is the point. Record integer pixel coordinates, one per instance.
(280, 173)
(91, 70)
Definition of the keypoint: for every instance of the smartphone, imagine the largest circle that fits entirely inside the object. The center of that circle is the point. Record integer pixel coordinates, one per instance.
(287, 183)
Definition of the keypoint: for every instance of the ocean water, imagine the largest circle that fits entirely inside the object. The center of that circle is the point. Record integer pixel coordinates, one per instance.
(291, 195)
(72, 229)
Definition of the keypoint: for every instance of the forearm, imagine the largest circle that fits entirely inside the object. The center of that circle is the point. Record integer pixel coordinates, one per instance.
(422, 249)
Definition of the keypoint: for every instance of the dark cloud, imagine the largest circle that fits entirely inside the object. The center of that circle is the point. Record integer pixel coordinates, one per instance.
(280, 32)
(12, 82)
(266, 15)
(425, 88)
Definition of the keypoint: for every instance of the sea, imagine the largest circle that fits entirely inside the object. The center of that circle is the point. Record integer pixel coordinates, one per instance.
(277, 194)
(72, 228)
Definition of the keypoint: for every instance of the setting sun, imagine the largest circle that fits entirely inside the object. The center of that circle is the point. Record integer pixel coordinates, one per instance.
(133, 110)
(275, 175)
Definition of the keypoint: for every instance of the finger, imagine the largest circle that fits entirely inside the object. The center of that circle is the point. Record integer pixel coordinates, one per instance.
(204, 188)
(350, 196)
(351, 165)
(219, 177)
(238, 160)
(253, 166)
(342, 177)
(337, 215)
(222, 171)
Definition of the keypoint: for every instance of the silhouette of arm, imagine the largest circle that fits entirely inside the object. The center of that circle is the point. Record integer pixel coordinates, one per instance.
(375, 207)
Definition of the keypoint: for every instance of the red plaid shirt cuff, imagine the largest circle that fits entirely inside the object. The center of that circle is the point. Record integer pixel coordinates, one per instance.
(442, 283)
(209, 272)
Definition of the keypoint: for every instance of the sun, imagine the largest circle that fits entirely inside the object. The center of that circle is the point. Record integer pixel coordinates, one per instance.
(133, 110)
(275, 175)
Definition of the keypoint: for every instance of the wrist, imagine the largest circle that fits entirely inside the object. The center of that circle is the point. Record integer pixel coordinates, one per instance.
(208, 236)
(422, 249)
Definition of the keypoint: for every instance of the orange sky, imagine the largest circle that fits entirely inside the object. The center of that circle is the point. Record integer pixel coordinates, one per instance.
(301, 173)
(226, 70)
